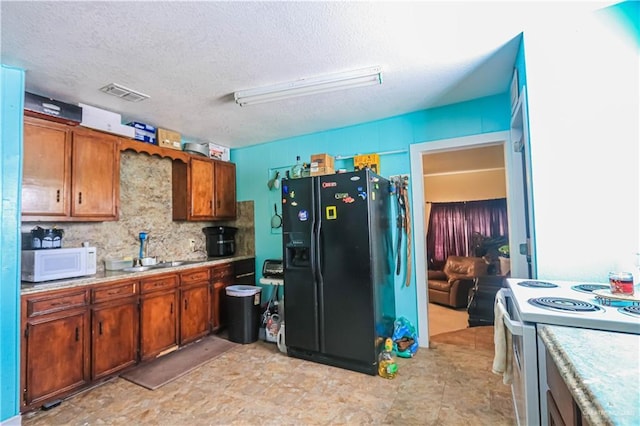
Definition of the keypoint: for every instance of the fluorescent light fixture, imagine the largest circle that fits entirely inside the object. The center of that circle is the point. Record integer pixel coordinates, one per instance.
(310, 86)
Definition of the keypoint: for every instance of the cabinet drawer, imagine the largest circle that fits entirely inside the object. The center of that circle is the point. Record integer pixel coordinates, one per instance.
(220, 272)
(40, 305)
(113, 291)
(159, 283)
(194, 276)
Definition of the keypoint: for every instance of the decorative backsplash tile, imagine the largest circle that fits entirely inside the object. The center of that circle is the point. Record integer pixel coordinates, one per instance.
(145, 206)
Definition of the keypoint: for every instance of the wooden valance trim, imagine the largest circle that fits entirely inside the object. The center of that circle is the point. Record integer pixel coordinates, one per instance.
(150, 149)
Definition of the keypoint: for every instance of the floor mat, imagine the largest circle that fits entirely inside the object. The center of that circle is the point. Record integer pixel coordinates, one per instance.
(161, 371)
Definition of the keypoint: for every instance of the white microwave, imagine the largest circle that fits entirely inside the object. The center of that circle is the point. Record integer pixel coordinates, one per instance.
(55, 264)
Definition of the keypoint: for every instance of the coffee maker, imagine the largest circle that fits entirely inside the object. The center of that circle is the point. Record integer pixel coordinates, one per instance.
(220, 240)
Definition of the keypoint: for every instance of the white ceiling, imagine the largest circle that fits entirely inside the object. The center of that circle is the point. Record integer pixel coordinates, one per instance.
(191, 56)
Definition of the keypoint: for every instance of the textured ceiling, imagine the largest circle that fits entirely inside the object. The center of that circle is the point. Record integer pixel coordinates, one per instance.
(191, 56)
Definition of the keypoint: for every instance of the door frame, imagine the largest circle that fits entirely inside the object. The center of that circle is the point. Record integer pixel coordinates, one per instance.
(515, 208)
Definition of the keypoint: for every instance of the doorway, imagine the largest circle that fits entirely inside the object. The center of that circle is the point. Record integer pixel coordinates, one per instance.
(464, 191)
(515, 206)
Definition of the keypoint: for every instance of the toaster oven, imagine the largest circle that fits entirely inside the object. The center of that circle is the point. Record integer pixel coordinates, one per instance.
(272, 268)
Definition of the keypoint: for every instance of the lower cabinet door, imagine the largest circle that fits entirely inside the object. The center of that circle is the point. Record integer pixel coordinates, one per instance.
(194, 309)
(114, 338)
(56, 357)
(158, 323)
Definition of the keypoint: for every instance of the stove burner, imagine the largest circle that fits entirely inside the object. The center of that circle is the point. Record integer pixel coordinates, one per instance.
(588, 288)
(536, 284)
(633, 310)
(563, 304)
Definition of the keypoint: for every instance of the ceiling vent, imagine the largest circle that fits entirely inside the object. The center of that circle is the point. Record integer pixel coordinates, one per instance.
(124, 93)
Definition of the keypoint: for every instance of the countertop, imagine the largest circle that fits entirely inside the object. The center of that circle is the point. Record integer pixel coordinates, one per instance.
(601, 370)
(108, 276)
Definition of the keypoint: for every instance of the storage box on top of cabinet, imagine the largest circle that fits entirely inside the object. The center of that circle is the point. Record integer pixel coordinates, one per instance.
(51, 109)
(322, 164)
(169, 139)
(107, 121)
(143, 132)
(218, 152)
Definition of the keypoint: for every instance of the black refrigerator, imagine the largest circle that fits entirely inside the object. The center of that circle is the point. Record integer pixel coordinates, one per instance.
(339, 297)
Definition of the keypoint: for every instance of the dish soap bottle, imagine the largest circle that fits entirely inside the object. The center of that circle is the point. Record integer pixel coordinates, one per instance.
(296, 170)
(387, 366)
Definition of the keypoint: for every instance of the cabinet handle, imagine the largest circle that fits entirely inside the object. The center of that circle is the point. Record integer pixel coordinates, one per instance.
(185, 304)
(100, 328)
(171, 311)
(58, 196)
(248, 274)
(77, 334)
(79, 197)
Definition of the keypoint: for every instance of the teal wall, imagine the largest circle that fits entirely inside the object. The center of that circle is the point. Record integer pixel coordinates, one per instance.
(256, 164)
(11, 95)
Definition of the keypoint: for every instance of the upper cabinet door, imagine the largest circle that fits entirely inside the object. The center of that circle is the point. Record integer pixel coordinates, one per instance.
(225, 190)
(201, 188)
(46, 169)
(95, 175)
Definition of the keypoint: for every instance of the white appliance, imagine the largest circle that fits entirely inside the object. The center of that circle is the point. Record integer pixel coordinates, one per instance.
(530, 303)
(55, 264)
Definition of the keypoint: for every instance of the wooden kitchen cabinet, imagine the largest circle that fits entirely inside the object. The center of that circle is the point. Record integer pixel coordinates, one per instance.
(203, 190)
(221, 277)
(225, 190)
(562, 408)
(55, 347)
(69, 173)
(158, 315)
(114, 328)
(195, 305)
(46, 171)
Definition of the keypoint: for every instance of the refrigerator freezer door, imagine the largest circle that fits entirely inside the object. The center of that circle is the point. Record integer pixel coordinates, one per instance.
(300, 289)
(345, 270)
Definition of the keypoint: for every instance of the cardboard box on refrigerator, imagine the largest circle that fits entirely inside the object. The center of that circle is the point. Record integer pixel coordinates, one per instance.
(322, 164)
(169, 139)
(371, 161)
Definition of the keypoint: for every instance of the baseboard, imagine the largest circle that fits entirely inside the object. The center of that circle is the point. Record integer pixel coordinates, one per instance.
(13, 421)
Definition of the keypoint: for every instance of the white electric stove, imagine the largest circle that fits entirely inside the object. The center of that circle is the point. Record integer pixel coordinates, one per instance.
(575, 304)
(530, 303)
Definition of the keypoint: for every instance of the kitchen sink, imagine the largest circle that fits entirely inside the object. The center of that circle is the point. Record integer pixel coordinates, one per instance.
(161, 265)
(176, 263)
(137, 268)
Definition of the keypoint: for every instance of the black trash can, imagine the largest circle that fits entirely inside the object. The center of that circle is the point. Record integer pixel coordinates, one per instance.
(243, 313)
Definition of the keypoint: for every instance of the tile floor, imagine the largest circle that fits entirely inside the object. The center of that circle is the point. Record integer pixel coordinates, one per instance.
(447, 384)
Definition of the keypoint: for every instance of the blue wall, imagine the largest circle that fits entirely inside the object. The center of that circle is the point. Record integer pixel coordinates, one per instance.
(257, 164)
(12, 95)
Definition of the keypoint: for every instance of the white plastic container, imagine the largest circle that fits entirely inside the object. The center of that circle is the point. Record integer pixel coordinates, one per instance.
(116, 264)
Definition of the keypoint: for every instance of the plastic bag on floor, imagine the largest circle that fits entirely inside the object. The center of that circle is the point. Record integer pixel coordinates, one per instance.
(405, 339)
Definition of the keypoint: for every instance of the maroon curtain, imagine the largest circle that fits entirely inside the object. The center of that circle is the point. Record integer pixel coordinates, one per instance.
(451, 226)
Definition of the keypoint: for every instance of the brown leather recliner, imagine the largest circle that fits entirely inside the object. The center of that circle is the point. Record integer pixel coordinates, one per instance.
(451, 286)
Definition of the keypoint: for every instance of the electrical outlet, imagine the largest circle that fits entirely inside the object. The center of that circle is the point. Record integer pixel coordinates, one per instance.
(192, 244)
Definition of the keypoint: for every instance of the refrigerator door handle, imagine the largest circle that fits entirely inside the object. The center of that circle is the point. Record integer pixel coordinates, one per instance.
(317, 261)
